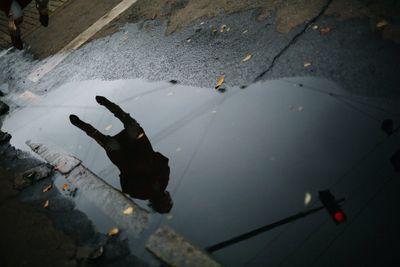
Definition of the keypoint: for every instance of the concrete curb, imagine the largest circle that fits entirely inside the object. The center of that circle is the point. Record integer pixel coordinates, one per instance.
(109, 200)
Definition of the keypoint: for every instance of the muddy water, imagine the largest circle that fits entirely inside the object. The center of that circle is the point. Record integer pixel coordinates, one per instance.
(238, 160)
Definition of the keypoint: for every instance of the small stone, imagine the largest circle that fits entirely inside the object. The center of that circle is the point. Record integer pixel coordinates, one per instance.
(4, 108)
(21, 182)
(38, 173)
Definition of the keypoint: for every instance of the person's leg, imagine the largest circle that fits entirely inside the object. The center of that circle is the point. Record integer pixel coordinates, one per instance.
(14, 24)
(42, 7)
(133, 128)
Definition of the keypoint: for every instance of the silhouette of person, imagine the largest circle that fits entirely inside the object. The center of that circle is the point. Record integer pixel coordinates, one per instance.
(144, 174)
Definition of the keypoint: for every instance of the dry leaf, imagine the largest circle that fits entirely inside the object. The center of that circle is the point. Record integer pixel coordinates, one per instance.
(46, 204)
(247, 58)
(113, 232)
(140, 136)
(65, 187)
(220, 81)
(47, 188)
(108, 127)
(307, 64)
(223, 28)
(325, 30)
(381, 24)
(307, 198)
(128, 211)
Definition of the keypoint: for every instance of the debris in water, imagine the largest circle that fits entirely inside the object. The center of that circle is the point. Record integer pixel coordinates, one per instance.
(65, 187)
(47, 188)
(307, 198)
(220, 81)
(382, 23)
(113, 232)
(128, 211)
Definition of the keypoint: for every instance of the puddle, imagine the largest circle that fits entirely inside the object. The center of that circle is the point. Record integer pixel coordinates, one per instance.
(238, 160)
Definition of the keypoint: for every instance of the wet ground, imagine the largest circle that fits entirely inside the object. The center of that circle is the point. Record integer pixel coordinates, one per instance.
(243, 156)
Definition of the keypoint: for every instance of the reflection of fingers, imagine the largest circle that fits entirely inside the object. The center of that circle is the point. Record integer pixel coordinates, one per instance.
(74, 120)
(101, 99)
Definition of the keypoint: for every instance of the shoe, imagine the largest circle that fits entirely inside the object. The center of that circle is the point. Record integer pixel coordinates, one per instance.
(17, 42)
(15, 33)
(44, 19)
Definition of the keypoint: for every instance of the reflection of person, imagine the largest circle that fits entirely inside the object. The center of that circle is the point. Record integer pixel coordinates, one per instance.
(13, 10)
(144, 173)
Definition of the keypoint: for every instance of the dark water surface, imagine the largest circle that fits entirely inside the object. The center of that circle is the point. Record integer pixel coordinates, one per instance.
(238, 160)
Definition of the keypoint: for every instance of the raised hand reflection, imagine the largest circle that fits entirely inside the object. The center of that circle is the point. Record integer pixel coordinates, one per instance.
(144, 173)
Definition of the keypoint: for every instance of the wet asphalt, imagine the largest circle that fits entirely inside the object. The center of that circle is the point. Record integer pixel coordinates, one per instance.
(351, 55)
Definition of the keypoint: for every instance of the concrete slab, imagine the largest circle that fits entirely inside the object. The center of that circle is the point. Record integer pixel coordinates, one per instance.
(174, 250)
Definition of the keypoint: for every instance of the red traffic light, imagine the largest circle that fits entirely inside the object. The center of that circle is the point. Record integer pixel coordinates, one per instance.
(339, 216)
(332, 206)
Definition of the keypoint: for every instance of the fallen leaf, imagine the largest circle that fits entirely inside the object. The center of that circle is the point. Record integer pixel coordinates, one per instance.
(108, 127)
(46, 204)
(381, 24)
(128, 211)
(223, 28)
(47, 188)
(307, 64)
(113, 232)
(247, 58)
(220, 81)
(307, 198)
(324, 30)
(65, 187)
(140, 136)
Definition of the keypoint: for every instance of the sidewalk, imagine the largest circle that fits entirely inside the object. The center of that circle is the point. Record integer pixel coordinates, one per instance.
(68, 18)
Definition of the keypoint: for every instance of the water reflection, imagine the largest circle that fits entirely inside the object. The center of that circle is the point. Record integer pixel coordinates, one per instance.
(144, 173)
